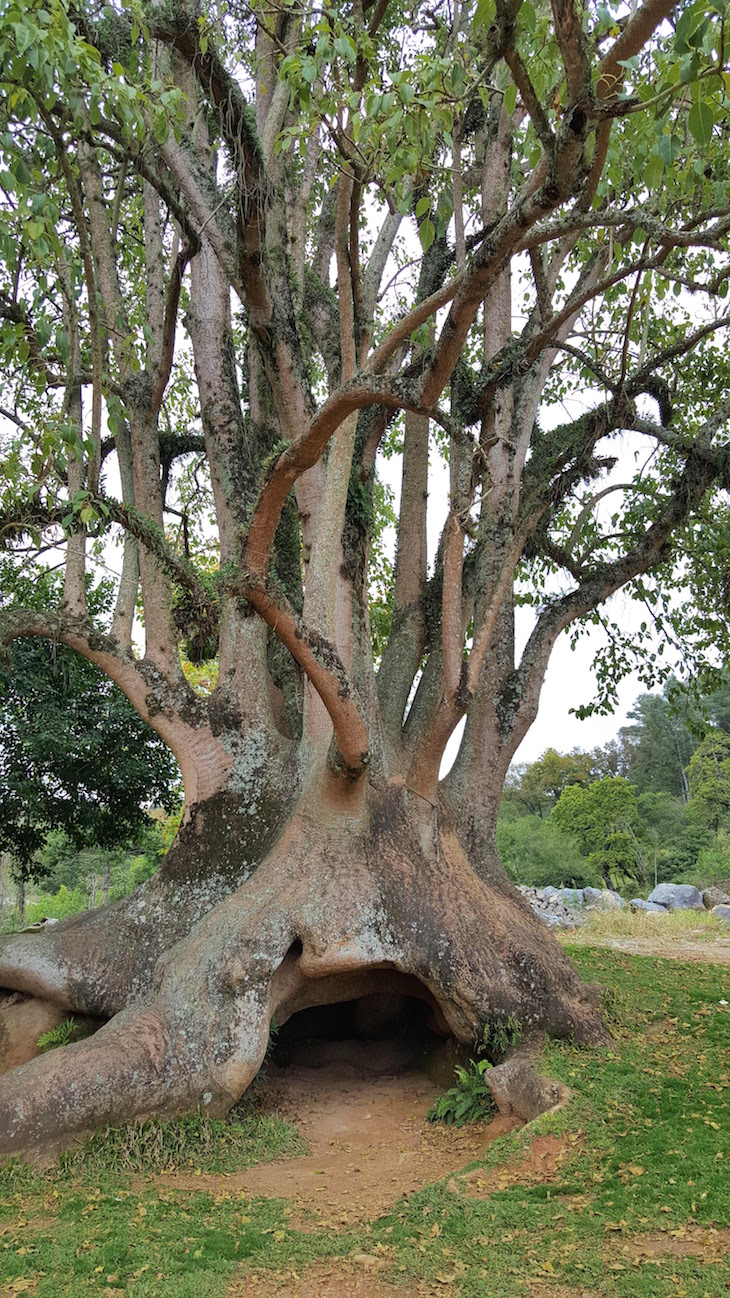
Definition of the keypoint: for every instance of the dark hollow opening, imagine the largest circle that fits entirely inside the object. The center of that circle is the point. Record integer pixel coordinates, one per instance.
(378, 1034)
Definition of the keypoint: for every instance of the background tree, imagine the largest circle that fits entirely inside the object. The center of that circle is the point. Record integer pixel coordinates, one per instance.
(538, 785)
(709, 781)
(74, 755)
(602, 818)
(209, 230)
(659, 745)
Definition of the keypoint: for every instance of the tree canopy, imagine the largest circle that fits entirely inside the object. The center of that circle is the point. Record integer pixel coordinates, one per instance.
(74, 755)
(156, 161)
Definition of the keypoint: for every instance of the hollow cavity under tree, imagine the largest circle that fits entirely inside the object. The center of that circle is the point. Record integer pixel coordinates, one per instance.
(278, 163)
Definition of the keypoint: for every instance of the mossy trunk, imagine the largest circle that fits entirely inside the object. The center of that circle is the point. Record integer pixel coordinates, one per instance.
(258, 916)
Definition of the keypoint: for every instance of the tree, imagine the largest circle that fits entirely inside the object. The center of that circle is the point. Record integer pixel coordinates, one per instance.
(602, 818)
(74, 754)
(538, 785)
(659, 744)
(709, 782)
(276, 240)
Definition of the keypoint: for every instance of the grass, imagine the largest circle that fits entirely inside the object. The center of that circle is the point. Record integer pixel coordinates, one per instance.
(675, 925)
(647, 1140)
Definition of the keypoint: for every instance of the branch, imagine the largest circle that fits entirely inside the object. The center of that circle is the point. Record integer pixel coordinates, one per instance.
(701, 470)
(321, 663)
(146, 689)
(302, 454)
(169, 328)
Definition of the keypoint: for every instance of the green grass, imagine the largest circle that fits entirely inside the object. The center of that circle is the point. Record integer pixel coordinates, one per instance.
(650, 1118)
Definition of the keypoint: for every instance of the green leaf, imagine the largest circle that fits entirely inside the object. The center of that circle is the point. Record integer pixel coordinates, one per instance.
(23, 37)
(510, 99)
(484, 14)
(528, 16)
(701, 121)
(426, 233)
(653, 172)
(345, 47)
(423, 205)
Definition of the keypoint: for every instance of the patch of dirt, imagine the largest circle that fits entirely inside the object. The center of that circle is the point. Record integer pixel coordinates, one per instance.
(560, 1291)
(336, 1278)
(715, 951)
(369, 1139)
(708, 1243)
(541, 1162)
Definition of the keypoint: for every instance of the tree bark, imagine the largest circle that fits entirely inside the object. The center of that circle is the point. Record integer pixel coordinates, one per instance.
(371, 892)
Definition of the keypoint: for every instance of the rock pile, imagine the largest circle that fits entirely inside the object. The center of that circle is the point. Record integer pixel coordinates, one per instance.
(567, 907)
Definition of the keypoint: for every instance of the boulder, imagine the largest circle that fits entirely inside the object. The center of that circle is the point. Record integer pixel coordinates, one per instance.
(722, 912)
(570, 896)
(604, 899)
(677, 896)
(637, 903)
(552, 919)
(719, 895)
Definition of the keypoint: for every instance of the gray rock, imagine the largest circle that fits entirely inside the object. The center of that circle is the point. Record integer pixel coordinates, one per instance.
(722, 912)
(547, 892)
(604, 899)
(716, 896)
(553, 920)
(637, 903)
(571, 896)
(677, 896)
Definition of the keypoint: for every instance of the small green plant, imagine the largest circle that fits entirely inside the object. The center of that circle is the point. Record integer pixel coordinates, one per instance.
(470, 1100)
(499, 1036)
(63, 1035)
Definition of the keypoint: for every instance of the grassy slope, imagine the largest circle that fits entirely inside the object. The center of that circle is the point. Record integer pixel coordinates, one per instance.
(650, 1121)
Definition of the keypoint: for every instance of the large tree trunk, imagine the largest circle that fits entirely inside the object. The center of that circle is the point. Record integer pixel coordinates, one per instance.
(361, 890)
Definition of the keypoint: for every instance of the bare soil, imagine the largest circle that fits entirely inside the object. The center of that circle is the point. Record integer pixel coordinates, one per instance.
(705, 1242)
(339, 1278)
(369, 1139)
(700, 950)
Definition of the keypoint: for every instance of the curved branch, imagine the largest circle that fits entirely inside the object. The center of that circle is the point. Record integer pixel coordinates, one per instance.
(300, 455)
(702, 469)
(323, 666)
(146, 689)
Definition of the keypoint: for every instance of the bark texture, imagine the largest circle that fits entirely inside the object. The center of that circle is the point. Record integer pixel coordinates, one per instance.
(348, 900)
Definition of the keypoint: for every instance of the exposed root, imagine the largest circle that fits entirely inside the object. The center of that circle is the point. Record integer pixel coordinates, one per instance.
(324, 918)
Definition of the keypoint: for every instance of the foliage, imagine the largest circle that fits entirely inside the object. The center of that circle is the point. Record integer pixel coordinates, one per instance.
(62, 1035)
(469, 1100)
(659, 744)
(709, 782)
(499, 1036)
(537, 786)
(538, 852)
(602, 818)
(74, 755)
(57, 905)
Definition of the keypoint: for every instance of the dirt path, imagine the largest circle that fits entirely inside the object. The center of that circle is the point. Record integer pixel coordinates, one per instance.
(697, 951)
(369, 1139)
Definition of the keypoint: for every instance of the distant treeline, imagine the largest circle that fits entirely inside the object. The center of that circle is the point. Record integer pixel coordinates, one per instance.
(652, 805)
